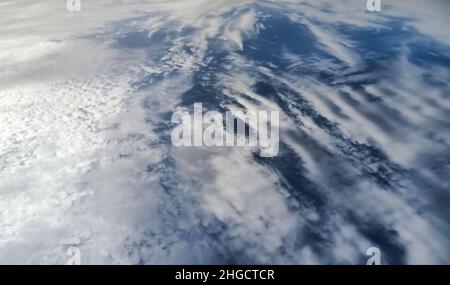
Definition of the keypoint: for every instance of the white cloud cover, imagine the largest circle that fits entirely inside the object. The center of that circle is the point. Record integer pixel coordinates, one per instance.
(85, 160)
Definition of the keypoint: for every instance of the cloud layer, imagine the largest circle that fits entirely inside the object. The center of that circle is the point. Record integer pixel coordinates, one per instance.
(85, 152)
